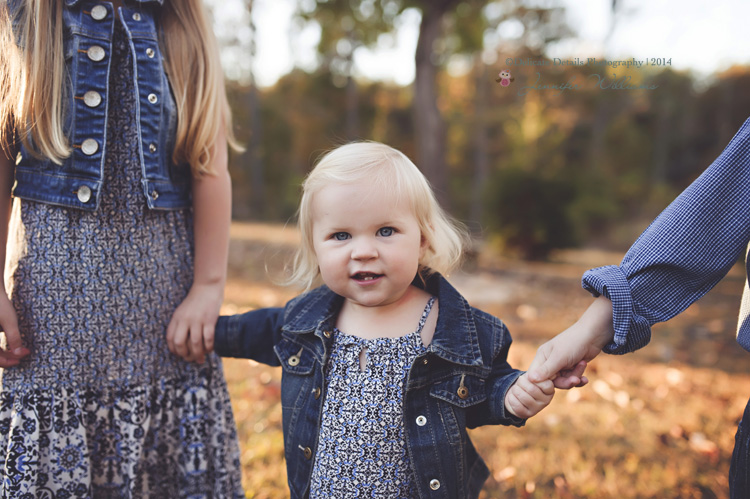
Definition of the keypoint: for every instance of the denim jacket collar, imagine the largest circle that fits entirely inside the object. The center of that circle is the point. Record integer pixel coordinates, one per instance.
(71, 3)
(455, 314)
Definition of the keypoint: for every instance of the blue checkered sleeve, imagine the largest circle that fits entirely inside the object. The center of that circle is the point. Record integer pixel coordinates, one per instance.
(689, 248)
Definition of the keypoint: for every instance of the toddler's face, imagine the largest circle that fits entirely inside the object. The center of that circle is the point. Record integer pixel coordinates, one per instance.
(367, 242)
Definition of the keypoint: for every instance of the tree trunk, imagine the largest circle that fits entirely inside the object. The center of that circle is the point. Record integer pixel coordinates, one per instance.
(429, 128)
(481, 143)
(254, 159)
(352, 108)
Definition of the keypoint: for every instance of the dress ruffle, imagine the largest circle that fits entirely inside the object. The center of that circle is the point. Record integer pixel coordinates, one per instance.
(67, 442)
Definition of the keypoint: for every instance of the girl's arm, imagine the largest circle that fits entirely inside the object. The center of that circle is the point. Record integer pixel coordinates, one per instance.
(15, 350)
(190, 333)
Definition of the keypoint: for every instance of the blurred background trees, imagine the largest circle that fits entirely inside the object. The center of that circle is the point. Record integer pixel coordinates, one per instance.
(532, 168)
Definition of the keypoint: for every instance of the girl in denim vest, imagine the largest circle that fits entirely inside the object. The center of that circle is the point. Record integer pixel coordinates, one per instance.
(113, 135)
(386, 365)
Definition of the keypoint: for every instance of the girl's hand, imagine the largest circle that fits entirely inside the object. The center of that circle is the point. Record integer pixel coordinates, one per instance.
(190, 333)
(526, 399)
(15, 351)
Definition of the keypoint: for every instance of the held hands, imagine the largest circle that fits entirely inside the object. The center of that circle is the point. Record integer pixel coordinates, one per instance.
(190, 333)
(558, 358)
(527, 398)
(15, 351)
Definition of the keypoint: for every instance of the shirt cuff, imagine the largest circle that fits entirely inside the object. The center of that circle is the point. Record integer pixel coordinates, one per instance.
(632, 331)
(227, 337)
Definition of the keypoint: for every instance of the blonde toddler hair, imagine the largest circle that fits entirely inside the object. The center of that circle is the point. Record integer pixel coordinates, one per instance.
(383, 167)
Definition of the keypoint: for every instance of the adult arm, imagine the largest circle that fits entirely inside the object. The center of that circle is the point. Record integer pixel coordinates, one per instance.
(684, 253)
(190, 333)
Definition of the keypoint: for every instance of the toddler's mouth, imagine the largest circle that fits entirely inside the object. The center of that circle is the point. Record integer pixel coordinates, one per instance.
(366, 276)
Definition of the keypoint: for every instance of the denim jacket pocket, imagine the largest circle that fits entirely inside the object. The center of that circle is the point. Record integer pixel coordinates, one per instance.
(461, 390)
(294, 358)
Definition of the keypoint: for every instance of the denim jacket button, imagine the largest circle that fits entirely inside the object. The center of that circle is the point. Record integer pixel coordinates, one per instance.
(152, 98)
(462, 392)
(92, 98)
(150, 53)
(89, 147)
(96, 53)
(154, 195)
(307, 451)
(136, 17)
(84, 193)
(99, 12)
(327, 334)
(152, 147)
(421, 420)
(434, 484)
(316, 392)
(293, 360)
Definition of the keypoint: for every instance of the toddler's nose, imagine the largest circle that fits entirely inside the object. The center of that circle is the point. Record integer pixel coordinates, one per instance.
(364, 249)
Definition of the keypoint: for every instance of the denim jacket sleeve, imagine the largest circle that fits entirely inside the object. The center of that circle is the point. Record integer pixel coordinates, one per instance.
(502, 376)
(684, 253)
(251, 335)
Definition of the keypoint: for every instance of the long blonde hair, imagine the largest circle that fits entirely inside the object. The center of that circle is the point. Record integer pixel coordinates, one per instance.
(382, 167)
(32, 81)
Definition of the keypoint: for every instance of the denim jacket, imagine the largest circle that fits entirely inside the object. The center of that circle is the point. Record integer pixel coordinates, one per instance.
(87, 41)
(459, 382)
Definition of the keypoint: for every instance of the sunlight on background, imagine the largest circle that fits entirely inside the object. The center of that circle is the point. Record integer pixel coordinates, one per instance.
(704, 37)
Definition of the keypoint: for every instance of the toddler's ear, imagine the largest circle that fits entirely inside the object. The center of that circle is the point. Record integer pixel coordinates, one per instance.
(424, 245)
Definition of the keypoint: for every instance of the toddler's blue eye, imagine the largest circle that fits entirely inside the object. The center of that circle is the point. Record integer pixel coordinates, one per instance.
(385, 231)
(341, 236)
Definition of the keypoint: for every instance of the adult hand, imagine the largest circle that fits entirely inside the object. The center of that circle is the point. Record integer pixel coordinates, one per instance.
(14, 351)
(561, 356)
(190, 333)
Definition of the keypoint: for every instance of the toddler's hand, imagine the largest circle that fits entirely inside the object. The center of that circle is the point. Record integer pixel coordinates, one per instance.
(571, 378)
(526, 399)
(190, 333)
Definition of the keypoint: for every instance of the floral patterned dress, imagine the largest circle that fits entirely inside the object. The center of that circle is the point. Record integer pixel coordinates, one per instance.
(101, 408)
(362, 446)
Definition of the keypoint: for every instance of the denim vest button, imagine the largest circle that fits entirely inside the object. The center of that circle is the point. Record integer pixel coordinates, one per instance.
(99, 12)
(327, 334)
(154, 195)
(96, 53)
(89, 147)
(152, 147)
(84, 194)
(150, 53)
(152, 98)
(421, 420)
(92, 98)
(136, 17)
(307, 451)
(316, 393)
(434, 484)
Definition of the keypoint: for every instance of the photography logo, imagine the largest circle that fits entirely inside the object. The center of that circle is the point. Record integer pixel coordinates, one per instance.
(504, 78)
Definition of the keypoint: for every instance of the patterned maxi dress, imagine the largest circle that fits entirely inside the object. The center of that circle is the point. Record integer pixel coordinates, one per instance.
(101, 408)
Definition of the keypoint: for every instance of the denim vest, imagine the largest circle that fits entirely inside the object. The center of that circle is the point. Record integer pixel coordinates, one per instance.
(87, 40)
(460, 382)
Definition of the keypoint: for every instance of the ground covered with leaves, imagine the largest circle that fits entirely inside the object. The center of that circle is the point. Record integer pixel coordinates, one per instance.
(658, 423)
